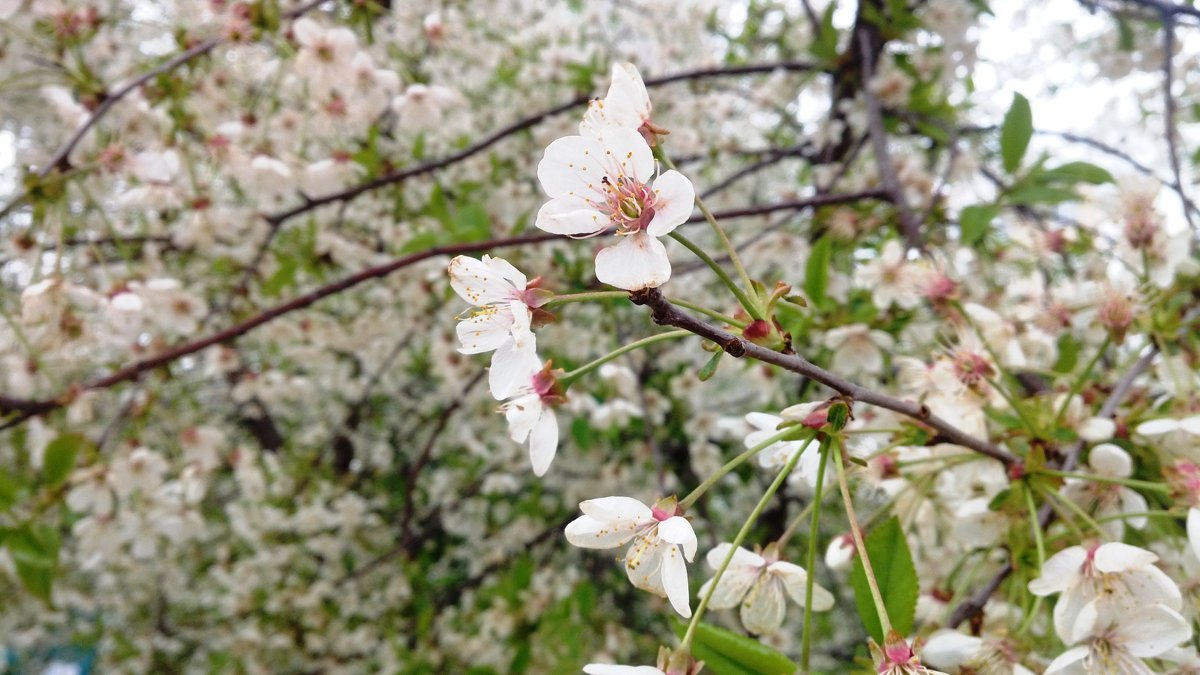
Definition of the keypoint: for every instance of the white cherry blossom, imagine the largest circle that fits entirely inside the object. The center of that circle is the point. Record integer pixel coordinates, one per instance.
(761, 584)
(662, 540)
(1105, 498)
(530, 415)
(504, 300)
(627, 105)
(1114, 643)
(1119, 576)
(601, 182)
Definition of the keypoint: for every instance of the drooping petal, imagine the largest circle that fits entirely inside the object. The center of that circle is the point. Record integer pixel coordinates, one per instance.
(675, 581)
(1151, 630)
(795, 579)
(543, 442)
(1069, 607)
(675, 197)
(570, 217)
(677, 530)
(513, 365)
(1133, 502)
(763, 609)
(638, 261)
(731, 587)
(643, 562)
(1059, 571)
(522, 414)
(574, 166)
(487, 329)
(1117, 557)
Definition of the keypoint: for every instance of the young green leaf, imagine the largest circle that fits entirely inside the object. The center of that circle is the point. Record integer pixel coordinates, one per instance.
(1016, 132)
(710, 368)
(975, 220)
(897, 578)
(1077, 172)
(727, 653)
(58, 461)
(816, 270)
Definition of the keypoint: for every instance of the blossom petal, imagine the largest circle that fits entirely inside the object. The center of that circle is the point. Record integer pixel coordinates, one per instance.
(610, 669)
(1151, 586)
(763, 609)
(573, 166)
(626, 154)
(638, 261)
(1193, 530)
(485, 330)
(1070, 662)
(617, 508)
(731, 587)
(1153, 629)
(588, 532)
(484, 282)
(675, 197)
(1158, 427)
(571, 217)
(795, 581)
(949, 649)
(1191, 425)
(1117, 557)
(543, 442)
(1132, 501)
(522, 414)
(741, 557)
(677, 530)
(674, 579)
(1059, 571)
(644, 560)
(513, 365)
(1110, 460)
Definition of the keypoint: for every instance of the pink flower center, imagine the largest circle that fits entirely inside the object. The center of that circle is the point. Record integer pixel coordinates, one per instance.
(629, 204)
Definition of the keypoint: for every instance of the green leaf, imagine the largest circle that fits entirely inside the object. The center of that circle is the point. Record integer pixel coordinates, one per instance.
(824, 44)
(1041, 194)
(1016, 132)
(896, 576)
(34, 552)
(727, 653)
(58, 461)
(710, 368)
(1076, 172)
(816, 270)
(975, 220)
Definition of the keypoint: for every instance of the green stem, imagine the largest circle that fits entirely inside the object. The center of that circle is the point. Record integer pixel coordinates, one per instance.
(1004, 374)
(1012, 404)
(1128, 482)
(1079, 381)
(856, 532)
(1074, 508)
(1038, 537)
(734, 463)
(737, 541)
(708, 312)
(569, 378)
(811, 558)
(743, 299)
(584, 297)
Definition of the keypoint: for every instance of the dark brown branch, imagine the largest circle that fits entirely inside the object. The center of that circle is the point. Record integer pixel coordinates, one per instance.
(667, 314)
(28, 408)
(909, 228)
(1169, 112)
(495, 137)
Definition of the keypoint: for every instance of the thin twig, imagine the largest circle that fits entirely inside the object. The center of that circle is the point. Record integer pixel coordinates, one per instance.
(1169, 111)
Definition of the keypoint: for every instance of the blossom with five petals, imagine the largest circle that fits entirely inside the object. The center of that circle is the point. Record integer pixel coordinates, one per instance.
(601, 182)
(530, 416)
(662, 540)
(1116, 642)
(760, 583)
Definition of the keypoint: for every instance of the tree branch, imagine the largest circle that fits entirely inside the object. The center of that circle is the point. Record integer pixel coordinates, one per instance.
(667, 314)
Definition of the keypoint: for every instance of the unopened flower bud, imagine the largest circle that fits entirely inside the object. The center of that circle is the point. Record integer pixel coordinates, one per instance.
(1115, 313)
